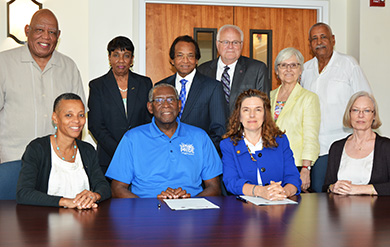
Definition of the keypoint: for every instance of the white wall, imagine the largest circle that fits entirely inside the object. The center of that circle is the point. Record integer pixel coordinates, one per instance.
(375, 54)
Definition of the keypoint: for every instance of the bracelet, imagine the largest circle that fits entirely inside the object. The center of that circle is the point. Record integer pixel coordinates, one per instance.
(253, 191)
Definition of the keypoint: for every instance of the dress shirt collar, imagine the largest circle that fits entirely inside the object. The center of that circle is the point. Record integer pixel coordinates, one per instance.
(27, 58)
(221, 65)
(254, 148)
(221, 68)
(189, 77)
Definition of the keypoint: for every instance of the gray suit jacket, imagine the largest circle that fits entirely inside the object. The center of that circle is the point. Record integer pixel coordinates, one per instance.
(249, 74)
(205, 106)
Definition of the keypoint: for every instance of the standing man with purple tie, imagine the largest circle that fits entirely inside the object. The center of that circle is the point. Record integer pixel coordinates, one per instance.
(203, 101)
(237, 73)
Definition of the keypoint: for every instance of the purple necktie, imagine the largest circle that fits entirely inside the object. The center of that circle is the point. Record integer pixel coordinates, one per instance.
(225, 79)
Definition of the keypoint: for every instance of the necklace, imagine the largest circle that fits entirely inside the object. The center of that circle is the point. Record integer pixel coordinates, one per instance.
(123, 90)
(253, 159)
(58, 149)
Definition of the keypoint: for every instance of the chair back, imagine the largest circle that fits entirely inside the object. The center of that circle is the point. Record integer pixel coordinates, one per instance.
(9, 174)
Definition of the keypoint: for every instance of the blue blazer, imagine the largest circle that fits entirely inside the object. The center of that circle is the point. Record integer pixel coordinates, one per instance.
(107, 119)
(205, 106)
(275, 164)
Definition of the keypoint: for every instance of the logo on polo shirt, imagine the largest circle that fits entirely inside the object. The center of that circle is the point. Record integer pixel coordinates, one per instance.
(187, 149)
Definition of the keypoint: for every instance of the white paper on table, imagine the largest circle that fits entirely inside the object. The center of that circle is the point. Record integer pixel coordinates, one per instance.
(190, 203)
(259, 201)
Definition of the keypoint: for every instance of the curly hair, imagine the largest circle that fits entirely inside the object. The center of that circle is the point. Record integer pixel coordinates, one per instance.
(269, 129)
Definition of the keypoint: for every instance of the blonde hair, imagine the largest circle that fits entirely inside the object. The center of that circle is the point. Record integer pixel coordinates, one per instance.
(376, 123)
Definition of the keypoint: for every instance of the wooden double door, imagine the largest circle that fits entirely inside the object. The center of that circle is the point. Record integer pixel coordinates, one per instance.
(164, 22)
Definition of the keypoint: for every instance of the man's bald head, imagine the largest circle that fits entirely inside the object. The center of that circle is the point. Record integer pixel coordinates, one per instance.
(46, 13)
(42, 35)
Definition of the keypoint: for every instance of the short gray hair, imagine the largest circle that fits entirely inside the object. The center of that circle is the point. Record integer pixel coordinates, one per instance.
(318, 24)
(227, 26)
(287, 53)
(151, 91)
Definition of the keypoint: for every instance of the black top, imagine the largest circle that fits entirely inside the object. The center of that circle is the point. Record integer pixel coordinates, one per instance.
(36, 166)
(380, 176)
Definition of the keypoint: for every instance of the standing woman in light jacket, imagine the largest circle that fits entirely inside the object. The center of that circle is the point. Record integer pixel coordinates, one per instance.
(296, 111)
(59, 170)
(256, 155)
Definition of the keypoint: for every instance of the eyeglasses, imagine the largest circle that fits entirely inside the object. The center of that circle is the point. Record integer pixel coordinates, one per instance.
(365, 111)
(160, 101)
(181, 56)
(291, 65)
(235, 43)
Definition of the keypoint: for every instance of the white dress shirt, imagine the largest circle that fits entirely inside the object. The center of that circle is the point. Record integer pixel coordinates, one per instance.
(189, 78)
(221, 68)
(338, 81)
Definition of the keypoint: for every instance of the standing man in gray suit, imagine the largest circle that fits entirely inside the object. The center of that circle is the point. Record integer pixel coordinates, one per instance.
(203, 101)
(236, 73)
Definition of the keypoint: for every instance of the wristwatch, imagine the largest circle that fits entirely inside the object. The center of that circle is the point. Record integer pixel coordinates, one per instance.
(307, 167)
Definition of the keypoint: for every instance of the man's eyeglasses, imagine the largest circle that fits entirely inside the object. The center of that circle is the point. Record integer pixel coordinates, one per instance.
(235, 43)
(160, 101)
(365, 111)
(291, 65)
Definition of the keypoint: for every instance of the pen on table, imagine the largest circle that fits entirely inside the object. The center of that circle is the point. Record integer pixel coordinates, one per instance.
(241, 199)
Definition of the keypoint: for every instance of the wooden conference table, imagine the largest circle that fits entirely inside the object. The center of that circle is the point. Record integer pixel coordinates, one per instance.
(318, 220)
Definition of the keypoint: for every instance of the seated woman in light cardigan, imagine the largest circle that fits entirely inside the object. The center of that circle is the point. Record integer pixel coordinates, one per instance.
(60, 170)
(360, 163)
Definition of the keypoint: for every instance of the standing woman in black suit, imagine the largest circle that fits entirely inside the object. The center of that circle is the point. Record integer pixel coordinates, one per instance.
(117, 100)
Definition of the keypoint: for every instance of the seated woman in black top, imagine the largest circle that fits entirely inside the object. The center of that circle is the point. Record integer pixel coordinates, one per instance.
(60, 170)
(360, 163)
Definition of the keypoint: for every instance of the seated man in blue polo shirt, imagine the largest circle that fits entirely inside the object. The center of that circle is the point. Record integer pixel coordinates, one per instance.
(165, 158)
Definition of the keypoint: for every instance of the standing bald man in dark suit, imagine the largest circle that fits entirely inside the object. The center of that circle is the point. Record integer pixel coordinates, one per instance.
(242, 73)
(203, 101)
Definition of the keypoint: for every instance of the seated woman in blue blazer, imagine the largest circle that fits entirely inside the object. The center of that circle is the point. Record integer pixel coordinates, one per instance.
(256, 155)
(59, 170)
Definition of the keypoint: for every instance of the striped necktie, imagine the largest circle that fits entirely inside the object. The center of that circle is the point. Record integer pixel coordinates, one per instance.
(225, 79)
(182, 95)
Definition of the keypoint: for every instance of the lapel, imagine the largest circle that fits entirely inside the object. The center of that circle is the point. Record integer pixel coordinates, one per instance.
(132, 93)
(193, 95)
(112, 88)
(241, 148)
(291, 101)
(171, 80)
(238, 78)
(213, 68)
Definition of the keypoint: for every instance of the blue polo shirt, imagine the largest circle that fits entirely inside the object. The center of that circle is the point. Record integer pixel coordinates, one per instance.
(151, 161)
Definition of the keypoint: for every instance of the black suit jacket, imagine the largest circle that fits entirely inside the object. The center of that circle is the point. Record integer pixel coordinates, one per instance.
(380, 175)
(107, 119)
(248, 74)
(205, 106)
